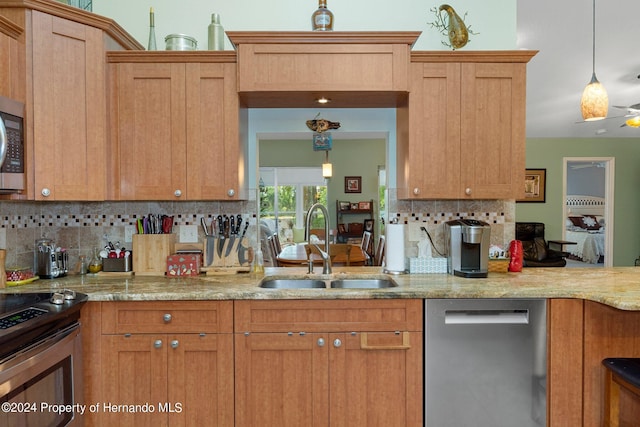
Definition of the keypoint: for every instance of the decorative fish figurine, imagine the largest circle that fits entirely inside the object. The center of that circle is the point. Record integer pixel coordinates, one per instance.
(458, 33)
(321, 125)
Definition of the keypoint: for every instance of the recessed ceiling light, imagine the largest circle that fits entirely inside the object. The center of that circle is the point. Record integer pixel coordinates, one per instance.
(323, 100)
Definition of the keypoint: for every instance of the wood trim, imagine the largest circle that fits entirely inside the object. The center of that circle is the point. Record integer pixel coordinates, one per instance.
(166, 56)
(71, 13)
(328, 37)
(493, 56)
(90, 328)
(565, 364)
(10, 28)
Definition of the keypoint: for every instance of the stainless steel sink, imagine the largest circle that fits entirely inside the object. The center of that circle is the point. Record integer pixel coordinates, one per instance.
(292, 283)
(363, 283)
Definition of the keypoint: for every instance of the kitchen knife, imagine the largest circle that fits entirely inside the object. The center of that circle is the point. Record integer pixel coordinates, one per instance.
(231, 234)
(220, 235)
(203, 223)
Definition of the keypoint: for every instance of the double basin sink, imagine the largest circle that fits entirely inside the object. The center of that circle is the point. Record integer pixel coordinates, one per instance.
(336, 283)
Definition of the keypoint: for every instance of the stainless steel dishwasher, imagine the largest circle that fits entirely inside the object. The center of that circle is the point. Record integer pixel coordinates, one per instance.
(485, 362)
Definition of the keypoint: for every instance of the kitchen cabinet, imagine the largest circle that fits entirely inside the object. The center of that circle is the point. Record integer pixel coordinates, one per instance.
(335, 363)
(461, 134)
(175, 120)
(175, 356)
(58, 70)
(581, 335)
(291, 69)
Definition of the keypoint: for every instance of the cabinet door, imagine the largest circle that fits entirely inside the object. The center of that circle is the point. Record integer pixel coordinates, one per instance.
(430, 159)
(134, 372)
(370, 370)
(201, 379)
(212, 132)
(493, 130)
(69, 110)
(282, 380)
(151, 131)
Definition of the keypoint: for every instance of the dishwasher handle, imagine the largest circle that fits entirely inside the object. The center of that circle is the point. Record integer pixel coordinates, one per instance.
(486, 317)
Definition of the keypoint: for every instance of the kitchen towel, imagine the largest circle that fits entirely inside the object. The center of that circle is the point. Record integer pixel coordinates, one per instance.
(395, 248)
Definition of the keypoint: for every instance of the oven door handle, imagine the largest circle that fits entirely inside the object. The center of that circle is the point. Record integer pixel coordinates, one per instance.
(3, 142)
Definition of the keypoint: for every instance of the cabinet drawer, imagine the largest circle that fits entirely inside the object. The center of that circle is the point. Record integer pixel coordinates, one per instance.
(328, 315)
(167, 316)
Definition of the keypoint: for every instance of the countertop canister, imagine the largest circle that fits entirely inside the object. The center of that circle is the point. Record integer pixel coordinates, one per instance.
(216, 33)
(180, 42)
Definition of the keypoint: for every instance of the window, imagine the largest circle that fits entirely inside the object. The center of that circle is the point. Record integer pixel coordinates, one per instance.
(285, 196)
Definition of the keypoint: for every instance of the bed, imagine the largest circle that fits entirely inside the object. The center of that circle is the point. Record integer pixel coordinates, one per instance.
(585, 225)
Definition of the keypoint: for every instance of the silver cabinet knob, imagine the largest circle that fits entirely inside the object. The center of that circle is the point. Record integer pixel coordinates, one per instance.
(231, 192)
(45, 192)
(337, 343)
(174, 344)
(177, 193)
(416, 191)
(320, 342)
(166, 318)
(157, 344)
(467, 191)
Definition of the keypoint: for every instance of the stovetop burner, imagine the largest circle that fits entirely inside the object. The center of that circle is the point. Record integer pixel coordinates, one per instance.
(26, 317)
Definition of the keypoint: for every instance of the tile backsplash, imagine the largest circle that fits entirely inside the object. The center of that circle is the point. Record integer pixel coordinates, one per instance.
(82, 226)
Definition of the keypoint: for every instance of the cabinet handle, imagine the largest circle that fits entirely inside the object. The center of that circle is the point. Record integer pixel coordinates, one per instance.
(177, 193)
(320, 342)
(337, 343)
(231, 192)
(157, 344)
(364, 344)
(45, 192)
(416, 191)
(174, 344)
(166, 318)
(467, 191)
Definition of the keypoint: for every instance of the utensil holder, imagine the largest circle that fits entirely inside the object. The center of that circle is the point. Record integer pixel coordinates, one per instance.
(150, 252)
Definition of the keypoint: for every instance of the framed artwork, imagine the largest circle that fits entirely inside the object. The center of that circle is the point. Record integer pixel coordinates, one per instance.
(344, 206)
(535, 185)
(353, 184)
(354, 206)
(364, 206)
(368, 225)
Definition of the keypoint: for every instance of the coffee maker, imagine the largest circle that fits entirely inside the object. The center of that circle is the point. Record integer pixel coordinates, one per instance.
(467, 246)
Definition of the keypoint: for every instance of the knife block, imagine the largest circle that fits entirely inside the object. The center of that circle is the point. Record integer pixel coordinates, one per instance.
(150, 252)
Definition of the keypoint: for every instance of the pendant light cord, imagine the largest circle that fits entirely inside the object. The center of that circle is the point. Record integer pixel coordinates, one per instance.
(593, 56)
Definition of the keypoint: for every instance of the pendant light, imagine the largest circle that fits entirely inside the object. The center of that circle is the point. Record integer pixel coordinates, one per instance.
(595, 102)
(327, 168)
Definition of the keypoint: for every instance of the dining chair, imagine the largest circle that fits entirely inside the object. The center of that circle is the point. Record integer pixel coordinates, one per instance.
(334, 251)
(276, 243)
(378, 259)
(273, 252)
(365, 245)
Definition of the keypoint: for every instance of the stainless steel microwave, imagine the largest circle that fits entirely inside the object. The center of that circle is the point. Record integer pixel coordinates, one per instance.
(11, 146)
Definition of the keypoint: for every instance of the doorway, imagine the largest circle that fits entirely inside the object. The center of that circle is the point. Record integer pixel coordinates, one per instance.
(588, 189)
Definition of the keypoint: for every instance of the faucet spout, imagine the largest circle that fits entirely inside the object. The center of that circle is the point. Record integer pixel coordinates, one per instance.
(326, 259)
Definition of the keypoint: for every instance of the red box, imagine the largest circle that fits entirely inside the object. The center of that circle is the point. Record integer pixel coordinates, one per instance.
(183, 265)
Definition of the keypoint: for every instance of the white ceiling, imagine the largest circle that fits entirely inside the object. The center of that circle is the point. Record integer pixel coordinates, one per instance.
(556, 76)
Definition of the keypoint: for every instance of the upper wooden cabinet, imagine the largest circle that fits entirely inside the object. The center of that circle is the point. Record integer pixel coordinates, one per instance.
(293, 69)
(462, 133)
(175, 122)
(58, 70)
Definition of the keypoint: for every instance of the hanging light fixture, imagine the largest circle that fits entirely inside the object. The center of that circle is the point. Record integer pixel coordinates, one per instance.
(327, 168)
(634, 122)
(595, 102)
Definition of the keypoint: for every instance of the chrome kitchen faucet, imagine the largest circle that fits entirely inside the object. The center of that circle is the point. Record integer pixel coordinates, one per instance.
(326, 259)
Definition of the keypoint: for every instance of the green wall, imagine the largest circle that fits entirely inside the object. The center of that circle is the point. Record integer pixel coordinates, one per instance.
(549, 153)
(350, 157)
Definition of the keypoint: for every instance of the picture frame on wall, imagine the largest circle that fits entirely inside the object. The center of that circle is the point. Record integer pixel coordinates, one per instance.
(353, 184)
(368, 225)
(535, 186)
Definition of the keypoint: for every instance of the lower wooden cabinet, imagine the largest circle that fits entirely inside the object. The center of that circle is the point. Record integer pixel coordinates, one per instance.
(174, 367)
(337, 363)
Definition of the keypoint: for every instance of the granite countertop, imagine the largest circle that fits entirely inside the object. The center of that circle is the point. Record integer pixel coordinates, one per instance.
(618, 287)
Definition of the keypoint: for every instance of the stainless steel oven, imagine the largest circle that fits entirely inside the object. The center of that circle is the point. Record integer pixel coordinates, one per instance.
(41, 362)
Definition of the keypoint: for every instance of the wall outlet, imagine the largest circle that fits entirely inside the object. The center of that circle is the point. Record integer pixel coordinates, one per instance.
(188, 234)
(129, 231)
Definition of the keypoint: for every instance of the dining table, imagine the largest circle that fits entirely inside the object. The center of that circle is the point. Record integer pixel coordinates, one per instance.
(296, 255)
